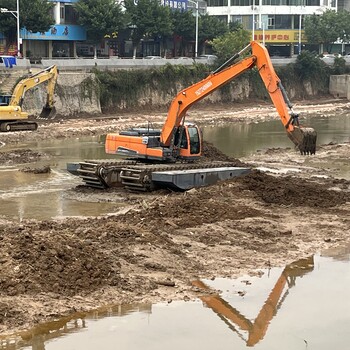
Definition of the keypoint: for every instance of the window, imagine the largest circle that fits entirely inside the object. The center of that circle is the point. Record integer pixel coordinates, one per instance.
(222, 18)
(70, 14)
(283, 22)
(217, 3)
(194, 140)
(243, 2)
(271, 22)
(62, 13)
(236, 19)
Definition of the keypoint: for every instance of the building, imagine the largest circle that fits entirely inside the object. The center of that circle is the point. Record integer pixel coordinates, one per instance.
(62, 40)
(277, 23)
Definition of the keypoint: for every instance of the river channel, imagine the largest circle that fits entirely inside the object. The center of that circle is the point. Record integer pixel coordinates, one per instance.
(44, 196)
(304, 305)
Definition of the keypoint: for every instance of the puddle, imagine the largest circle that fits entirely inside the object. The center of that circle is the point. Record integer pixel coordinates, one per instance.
(302, 306)
(44, 196)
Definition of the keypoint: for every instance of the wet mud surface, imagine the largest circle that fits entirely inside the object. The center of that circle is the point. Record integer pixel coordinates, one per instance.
(21, 156)
(160, 242)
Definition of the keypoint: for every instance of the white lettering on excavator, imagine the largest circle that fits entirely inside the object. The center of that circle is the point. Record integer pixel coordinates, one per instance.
(203, 88)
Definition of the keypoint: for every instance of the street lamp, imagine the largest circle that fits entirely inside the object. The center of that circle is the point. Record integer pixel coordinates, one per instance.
(253, 8)
(16, 15)
(299, 39)
(197, 15)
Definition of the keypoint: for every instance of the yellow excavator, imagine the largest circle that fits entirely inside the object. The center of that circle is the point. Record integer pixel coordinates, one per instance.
(157, 157)
(12, 117)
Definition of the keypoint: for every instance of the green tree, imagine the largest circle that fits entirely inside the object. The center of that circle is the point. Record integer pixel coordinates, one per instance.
(147, 19)
(234, 26)
(210, 27)
(35, 16)
(308, 67)
(184, 28)
(100, 18)
(328, 28)
(227, 45)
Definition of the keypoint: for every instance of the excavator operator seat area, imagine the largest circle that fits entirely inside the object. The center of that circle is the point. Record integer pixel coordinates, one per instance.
(195, 142)
(5, 100)
(188, 139)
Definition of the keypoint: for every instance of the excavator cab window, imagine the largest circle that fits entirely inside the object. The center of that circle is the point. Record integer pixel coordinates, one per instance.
(5, 100)
(194, 138)
(181, 133)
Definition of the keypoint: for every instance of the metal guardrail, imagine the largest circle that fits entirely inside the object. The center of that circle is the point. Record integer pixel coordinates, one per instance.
(114, 63)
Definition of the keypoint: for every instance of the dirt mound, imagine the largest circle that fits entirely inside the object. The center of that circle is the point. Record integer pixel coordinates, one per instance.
(21, 156)
(210, 152)
(41, 170)
(291, 191)
(51, 261)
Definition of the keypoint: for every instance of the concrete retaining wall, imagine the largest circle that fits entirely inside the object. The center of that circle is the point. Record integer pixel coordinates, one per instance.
(339, 86)
(75, 94)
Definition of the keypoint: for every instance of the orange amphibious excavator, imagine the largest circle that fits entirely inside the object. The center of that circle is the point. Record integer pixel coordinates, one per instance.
(181, 142)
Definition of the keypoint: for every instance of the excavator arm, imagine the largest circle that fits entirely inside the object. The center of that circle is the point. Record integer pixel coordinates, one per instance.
(48, 75)
(303, 138)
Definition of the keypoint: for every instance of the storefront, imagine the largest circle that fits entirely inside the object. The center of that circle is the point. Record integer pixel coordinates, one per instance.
(60, 41)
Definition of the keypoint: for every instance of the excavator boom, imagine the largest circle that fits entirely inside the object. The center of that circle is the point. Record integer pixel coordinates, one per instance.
(303, 138)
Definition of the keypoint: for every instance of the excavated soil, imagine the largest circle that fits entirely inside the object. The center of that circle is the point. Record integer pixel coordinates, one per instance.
(20, 156)
(164, 240)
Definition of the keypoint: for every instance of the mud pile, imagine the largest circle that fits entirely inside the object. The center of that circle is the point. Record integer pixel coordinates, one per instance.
(78, 256)
(20, 156)
(36, 259)
(210, 152)
(292, 191)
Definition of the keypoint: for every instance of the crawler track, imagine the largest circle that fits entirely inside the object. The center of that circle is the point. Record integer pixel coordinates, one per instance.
(18, 126)
(132, 175)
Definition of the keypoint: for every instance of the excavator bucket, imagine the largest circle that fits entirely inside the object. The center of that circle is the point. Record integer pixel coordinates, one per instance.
(304, 139)
(48, 112)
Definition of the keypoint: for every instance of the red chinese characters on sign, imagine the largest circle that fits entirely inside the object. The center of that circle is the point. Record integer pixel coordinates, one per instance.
(272, 37)
(278, 36)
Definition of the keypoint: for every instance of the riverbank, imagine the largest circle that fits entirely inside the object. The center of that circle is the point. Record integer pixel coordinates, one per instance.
(162, 241)
(209, 114)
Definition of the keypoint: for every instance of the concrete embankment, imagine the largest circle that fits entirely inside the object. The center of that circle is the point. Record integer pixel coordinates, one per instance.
(78, 92)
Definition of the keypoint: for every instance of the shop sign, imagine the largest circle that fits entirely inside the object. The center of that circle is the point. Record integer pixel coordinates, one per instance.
(57, 32)
(175, 4)
(279, 36)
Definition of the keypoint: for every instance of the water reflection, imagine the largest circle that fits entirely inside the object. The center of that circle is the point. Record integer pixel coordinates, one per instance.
(257, 328)
(36, 338)
(165, 323)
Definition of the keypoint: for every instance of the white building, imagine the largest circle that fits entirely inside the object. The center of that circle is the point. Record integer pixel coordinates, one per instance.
(278, 23)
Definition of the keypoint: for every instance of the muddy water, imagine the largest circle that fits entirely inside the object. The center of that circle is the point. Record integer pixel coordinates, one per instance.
(239, 140)
(304, 305)
(44, 196)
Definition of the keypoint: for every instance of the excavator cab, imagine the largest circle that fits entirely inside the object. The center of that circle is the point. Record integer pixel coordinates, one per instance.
(188, 141)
